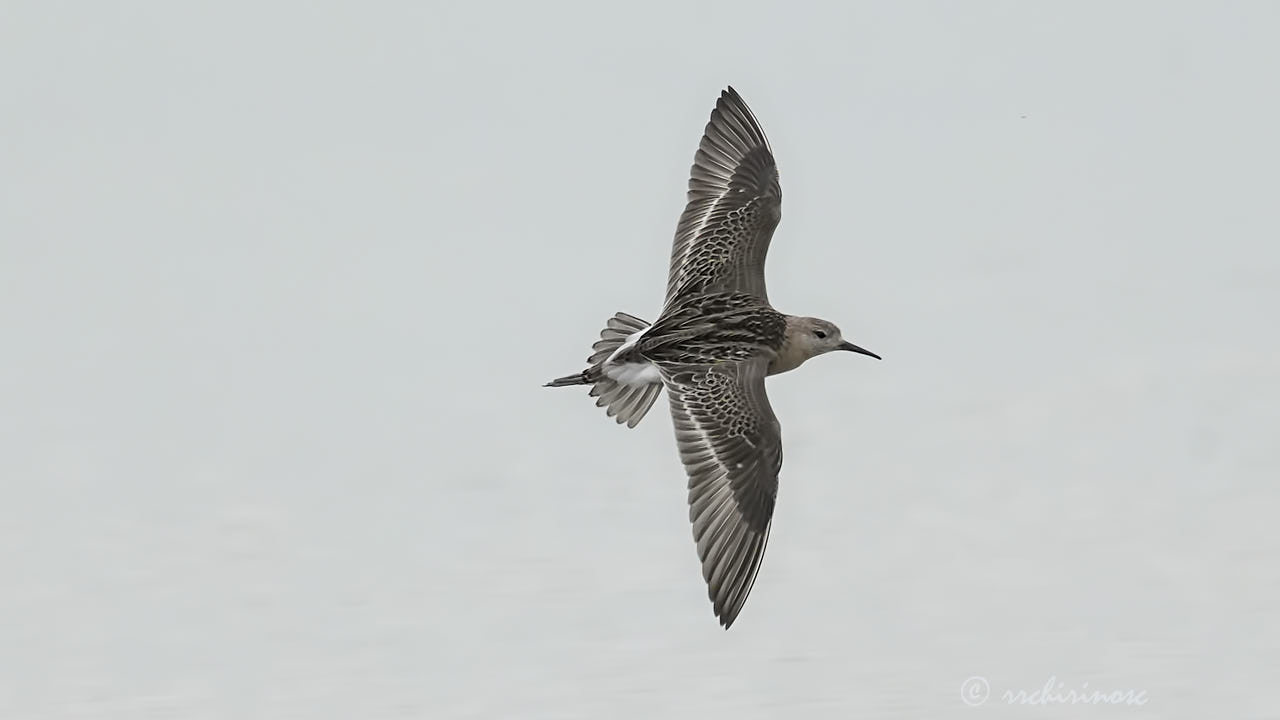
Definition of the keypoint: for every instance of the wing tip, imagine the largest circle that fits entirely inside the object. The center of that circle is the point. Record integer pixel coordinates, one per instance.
(728, 615)
(733, 116)
(727, 606)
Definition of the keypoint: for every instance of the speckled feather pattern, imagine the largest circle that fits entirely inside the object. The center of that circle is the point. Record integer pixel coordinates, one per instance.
(714, 343)
(712, 329)
(734, 203)
(731, 445)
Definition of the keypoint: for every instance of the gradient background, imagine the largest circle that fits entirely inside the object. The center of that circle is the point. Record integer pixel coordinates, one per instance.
(279, 284)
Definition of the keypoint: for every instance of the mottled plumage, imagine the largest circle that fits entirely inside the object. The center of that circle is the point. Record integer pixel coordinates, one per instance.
(710, 329)
(733, 204)
(712, 346)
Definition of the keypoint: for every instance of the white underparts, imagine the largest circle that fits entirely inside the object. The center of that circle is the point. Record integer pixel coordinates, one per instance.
(635, 374)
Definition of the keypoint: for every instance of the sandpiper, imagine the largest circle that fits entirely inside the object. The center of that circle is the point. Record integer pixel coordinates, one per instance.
(711, 348)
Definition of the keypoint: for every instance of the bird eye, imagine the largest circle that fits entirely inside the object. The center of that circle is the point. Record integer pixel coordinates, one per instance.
(820, 334)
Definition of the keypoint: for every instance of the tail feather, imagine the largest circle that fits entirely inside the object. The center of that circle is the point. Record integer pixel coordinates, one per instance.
(638, 403)
(620, 327)
(626, 403)
(567, 380)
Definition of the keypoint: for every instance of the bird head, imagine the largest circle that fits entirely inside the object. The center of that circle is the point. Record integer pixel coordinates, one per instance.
(817, 337)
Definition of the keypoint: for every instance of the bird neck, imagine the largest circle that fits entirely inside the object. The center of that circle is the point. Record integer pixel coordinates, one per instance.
(793, 352)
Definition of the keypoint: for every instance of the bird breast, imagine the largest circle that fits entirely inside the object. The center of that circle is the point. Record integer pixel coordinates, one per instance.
(790, 356)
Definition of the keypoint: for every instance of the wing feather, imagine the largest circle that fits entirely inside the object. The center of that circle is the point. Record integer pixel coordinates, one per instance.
(731, 445)
(734, 203)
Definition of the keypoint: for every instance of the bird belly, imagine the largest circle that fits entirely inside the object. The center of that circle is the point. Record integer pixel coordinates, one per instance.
(635, 374)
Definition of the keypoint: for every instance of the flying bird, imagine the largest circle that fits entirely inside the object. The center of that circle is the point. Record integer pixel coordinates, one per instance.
(712, 346)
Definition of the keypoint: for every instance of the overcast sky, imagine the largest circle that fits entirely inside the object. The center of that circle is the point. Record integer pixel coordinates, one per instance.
(279, 285)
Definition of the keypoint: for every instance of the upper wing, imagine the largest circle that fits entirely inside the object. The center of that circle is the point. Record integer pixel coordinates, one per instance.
(731, 446)
(734, 203)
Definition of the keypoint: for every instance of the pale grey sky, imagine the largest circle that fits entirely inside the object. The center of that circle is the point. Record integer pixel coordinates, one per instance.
(279, 285)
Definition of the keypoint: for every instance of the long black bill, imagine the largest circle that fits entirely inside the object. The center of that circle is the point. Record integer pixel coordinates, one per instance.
(846, 345)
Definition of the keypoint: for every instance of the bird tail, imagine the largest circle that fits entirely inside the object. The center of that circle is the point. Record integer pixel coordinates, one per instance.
(626, 403)
(574, 379)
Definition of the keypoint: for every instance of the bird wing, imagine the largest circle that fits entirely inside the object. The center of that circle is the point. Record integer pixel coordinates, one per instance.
(734, 204)
(731, 445)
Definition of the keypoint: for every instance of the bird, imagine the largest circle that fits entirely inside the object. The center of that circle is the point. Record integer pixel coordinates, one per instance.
(711, 347)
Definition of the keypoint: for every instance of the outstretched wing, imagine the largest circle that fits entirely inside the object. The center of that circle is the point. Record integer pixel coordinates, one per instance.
(731, 446)
(734, 203)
